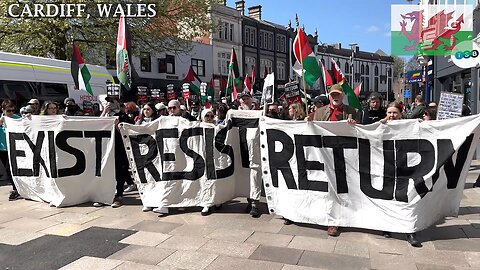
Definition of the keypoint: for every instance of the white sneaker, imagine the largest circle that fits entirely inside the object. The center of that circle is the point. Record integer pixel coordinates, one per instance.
(160, 210)
(130, 188)
(147, 209)
(97, 204)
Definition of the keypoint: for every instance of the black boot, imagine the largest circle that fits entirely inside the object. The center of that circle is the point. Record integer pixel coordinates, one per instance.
(412, 239)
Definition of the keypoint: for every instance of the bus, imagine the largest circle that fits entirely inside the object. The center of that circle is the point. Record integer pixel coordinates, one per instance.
(23, 77)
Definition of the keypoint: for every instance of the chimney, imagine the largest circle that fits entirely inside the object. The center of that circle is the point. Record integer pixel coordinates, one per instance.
(225, 2)
(338, 46)
(255, 12)
(240, 7)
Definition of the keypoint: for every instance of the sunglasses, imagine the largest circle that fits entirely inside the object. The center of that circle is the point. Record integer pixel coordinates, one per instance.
(9, 111)
(172, 108)
(209, 116)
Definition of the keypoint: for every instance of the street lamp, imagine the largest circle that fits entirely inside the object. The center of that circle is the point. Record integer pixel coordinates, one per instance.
(353, 46)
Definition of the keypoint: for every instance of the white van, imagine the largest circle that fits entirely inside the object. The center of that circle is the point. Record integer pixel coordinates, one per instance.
(23, 77)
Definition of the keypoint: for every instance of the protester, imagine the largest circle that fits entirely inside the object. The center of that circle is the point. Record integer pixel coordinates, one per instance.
(432, 105)
(318, 102)
(271, 110)
(26, 111)
(208, 116)
(246, 102)
(430, 113)
(296, 112)
(96, 109)
(161, 109)
(35, 105)
(8, 109)
(49, 108)
(221, 113)
(337, 111)
(394, 112)
(72, 109)
(374, 112)
(149, 114)
(417, 111)
(175, 110)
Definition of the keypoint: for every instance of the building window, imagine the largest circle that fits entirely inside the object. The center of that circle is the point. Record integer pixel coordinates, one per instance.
(277, 43)
(250, 36)
(376, 85)
(225, 31)
(280, 70)
(270, 41)
(376, 71)
(223, 62)
(231, 32)
(260, 44)
(367, 85)
(249, 64)
(265, 64)
(170, 61)
(347, 68)
(162, 65)
(198, 66)
(362, 69)
(280, 45)
(389, 72)
(145, 62)
(367, 70)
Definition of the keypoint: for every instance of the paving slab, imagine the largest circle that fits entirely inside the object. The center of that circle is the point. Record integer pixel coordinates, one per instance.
(439, 257)
(139, 266)
(145, 239)
(155, 226)
(457, 245)
(350, 248)
(116, 222)
(188, 260)
(313, 244)
(277, 254)
(92, 263)
(180, 242)
(270, 239)
(298, 267)
(305, 230)
(434, 267)
(333, 261)
(75, 218)
(17, 237)
(142, 254)
(391, 261)
(65, 229)
(228, 248)
(29, 224)
(193, 230)
(234, 235)
(225, 262)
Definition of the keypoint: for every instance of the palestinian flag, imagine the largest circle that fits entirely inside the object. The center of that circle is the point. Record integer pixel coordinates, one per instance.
(211, 89)
(327, 79)
(305, 59)
(358, 89)
(81, 75)
(337, 72)
(123, 61)
(194, 81)
(233, 76)
(248, 85)
(430, 30)
(350, 98)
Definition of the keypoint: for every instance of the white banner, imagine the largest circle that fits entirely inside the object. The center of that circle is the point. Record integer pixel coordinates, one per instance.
(397, 177)
(178, 163)
(63, 161)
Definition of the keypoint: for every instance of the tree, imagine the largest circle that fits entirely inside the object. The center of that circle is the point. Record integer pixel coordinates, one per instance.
(176, 24)
(398, 64)
(413, 64)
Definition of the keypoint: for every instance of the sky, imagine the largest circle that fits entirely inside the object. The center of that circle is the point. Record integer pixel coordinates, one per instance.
(365, 22)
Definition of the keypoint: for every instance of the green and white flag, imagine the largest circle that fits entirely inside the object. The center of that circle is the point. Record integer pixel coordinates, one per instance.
(81, 75)
(432, 30)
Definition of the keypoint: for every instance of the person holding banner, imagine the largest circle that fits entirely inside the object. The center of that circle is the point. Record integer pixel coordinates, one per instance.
(149, 114)
(374, 112)
(337, 111)
(49, 108)
(175, 110)
(417, 111)
(8, 109)
(295, 112)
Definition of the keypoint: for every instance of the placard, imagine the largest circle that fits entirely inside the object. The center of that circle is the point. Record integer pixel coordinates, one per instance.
(292, 93)
(450, 105)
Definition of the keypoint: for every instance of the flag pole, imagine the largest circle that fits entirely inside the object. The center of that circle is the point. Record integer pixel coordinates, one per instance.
(301, 57)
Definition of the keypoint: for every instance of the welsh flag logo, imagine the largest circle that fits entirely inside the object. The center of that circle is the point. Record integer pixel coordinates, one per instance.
(432, 30)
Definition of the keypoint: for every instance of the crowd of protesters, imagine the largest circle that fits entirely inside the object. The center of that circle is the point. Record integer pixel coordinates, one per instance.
(323, 108)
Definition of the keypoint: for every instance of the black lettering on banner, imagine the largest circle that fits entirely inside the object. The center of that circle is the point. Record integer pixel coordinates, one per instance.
(404, 173)
(14, 153)
(62, 144)
(98, 136)
(303, 165)
(243, 124)
(279, 160)
(209, 162)
(220, 140)
(338, 144)
(444, 159)
(37, 150)
(162, 134)
(52, 154)
(145, 161)
(198, 161)
(365, 170)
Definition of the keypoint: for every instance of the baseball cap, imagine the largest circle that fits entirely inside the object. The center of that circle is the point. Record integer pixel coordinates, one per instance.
(33, 101)
(160, 106)
(336, 88)
(245, 94)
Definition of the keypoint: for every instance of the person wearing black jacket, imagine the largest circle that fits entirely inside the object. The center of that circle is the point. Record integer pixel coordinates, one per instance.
(374, 112)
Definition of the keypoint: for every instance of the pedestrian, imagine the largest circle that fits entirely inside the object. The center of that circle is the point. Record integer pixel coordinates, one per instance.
(374, 112)
(318, 102)
(221, 113)
(337, 111)
(26, 111)
(161, 109)
(49, 108)
(174, 109)
(8, 110)
(430, 113)
(271, 110)
(35, 105)
(208, 116)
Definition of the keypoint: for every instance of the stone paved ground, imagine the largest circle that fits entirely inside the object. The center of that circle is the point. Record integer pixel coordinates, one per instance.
(36, 236)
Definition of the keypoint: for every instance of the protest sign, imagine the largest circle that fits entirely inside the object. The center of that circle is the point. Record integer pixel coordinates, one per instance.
(170, 92)
(292, 93)
(450, 105)
(268, 93)
(399, 177)
(63, 160)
